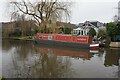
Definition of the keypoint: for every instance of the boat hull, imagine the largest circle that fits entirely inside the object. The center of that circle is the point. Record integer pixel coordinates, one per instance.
(62, 44)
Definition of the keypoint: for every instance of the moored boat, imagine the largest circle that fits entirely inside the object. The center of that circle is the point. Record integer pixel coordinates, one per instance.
(63, 40)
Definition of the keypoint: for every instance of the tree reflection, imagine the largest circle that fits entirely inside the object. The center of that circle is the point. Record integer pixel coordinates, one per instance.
(6, 45)
(50, 65)
(27, 62)
(23, 49)
(18, 53)
(112, 57)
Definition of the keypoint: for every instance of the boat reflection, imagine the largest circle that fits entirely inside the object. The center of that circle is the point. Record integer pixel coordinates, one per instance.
(83, 54)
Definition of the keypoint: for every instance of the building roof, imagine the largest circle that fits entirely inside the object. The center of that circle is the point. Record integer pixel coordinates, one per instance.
(87, 25)
(95, 24)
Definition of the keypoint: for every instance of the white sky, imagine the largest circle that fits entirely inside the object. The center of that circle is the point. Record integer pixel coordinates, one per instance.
(82, 10)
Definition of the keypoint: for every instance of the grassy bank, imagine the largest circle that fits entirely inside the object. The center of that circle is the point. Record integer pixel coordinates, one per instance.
(20, 38)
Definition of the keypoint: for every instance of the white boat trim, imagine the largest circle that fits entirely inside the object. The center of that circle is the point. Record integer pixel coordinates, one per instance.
(94, 45)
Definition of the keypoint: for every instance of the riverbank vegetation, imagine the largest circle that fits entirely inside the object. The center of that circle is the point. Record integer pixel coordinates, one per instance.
(29, 18)
(44, 13)
(113, 30)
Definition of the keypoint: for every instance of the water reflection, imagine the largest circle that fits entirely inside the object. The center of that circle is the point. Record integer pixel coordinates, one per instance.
(112, 57)
(25, 62)
(24, 59)
(64, 52)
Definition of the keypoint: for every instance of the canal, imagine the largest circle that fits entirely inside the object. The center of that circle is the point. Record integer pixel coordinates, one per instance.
(24, 59)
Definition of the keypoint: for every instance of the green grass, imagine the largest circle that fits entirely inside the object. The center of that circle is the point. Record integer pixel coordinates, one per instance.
(23, 38)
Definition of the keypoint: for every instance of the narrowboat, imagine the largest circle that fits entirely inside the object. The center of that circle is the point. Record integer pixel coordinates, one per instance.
(63, 40)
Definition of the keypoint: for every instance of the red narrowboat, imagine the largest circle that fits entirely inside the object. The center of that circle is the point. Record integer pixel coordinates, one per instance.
(64, 40)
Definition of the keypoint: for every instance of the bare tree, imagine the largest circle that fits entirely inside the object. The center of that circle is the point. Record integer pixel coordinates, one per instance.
(43, 11)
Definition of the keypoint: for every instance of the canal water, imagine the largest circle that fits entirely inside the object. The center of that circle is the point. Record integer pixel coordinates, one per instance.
(24, 59)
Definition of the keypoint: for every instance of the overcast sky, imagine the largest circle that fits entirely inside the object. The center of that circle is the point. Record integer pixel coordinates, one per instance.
(82, 10)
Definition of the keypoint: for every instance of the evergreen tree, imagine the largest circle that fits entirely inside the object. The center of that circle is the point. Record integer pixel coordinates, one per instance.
(92, 32)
